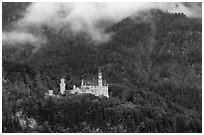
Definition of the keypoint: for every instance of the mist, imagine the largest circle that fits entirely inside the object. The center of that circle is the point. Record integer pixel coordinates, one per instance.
(75, 18)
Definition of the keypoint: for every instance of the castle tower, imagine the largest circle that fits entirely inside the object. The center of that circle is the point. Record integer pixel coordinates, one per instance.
(62, 86)
(100, 78)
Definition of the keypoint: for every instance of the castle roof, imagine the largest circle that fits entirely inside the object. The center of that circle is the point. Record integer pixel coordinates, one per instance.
(93, 82)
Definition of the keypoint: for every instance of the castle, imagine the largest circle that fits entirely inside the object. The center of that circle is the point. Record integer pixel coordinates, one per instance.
(97, 87)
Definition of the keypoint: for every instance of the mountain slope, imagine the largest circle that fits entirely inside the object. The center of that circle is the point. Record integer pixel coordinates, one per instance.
(152, 61)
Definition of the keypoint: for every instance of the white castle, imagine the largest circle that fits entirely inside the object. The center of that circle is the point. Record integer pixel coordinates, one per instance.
(96, 87)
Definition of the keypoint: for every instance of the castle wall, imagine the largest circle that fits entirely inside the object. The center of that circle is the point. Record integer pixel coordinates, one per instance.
(96, 90)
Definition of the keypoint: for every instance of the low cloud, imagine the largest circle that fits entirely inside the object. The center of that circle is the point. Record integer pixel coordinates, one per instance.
(82, 17)
(14, 37)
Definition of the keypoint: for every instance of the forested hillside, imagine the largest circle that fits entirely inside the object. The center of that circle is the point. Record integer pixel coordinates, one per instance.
(152, 63)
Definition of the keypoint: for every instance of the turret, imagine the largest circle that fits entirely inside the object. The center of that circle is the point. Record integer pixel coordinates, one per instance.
(50, 93)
